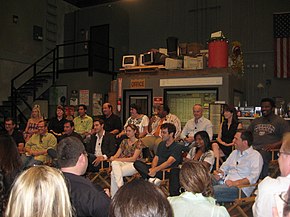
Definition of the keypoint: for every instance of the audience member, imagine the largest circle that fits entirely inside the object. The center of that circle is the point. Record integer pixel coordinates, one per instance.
(122, 162)
(31, 126)
(138, 119)
(224, 145)
(140, 198)
(197, 199)
(40, 191)
(101, 146)
(268, 131)
(39, 143)
(112, 122)
(201, 150)
(270, 189)
(242, 167)
(88, 200)
(15, 134)
(56, 124)
(169, 155)
(10, 163)
(69, 131)
(153, 139)
(198, 123)
(83, 122)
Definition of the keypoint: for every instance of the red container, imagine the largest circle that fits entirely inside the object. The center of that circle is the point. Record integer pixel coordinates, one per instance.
(218, 54)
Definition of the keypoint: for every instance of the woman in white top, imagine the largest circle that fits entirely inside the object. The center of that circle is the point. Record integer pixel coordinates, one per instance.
(197, 199)
(138, 119)
(201, 150)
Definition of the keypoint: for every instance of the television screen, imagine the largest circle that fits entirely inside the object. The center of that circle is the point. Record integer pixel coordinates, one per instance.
(128, 60)
(147, 58)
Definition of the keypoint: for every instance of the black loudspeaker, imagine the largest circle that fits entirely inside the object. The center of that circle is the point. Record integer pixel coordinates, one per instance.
(172, 46)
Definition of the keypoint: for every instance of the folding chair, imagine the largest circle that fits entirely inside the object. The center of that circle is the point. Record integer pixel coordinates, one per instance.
(103, 175)
(164, 185)
(273, 164)
(242, 205)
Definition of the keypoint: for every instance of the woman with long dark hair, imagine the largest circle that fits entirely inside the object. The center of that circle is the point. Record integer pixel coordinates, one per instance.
(10, 163)
(201, 150)
(228, 129)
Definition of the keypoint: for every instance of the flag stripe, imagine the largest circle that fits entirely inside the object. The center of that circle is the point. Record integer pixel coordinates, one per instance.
(282, 36)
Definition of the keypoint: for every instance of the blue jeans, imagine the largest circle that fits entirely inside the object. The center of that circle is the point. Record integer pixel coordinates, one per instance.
(223, 193)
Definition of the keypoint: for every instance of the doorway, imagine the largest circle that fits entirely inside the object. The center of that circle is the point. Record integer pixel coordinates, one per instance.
(142, 98)
(99, 49)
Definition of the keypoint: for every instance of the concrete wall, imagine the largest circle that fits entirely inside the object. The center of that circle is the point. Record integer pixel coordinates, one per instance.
(247, 21)
(18, 49)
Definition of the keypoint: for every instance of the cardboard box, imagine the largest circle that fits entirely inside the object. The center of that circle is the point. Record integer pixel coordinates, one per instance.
(193, 49)
(201, 62)
(183, 48)
(173, 63)
(190, 62)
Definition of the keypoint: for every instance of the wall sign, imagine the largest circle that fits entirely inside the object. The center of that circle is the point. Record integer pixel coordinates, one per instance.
(137, 83)
(157, 100)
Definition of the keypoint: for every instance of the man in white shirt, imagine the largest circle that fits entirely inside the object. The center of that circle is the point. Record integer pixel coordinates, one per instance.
(269, 190)
(196, 124)
(101, 146)
(242, 167)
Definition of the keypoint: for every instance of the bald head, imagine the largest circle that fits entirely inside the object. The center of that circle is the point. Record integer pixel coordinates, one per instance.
(197, 111)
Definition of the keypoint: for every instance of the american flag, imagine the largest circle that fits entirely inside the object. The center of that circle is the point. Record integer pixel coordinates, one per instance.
(281, 28)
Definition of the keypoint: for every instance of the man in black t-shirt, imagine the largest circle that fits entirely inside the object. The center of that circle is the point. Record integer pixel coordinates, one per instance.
(15, 134)
(169, 155)
(112, 122)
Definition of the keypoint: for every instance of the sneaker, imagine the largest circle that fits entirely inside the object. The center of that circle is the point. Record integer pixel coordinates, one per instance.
(155, 181)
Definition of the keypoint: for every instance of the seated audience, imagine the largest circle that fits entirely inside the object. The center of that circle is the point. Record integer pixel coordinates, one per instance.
(56, 124)
(112, 122)
(153, 139)
(224, 145)
(242, 167)
(39, 191)
(69, 131)
(197, 199)
(83, 122)
(31, 126)
(122, 162)
(15, 134)
(10, 164)
(138, 119)
(169, 155)
(39, 143)
(140, 198)
(270, 189)
(198, 123)
(88, 200)
(101, 146)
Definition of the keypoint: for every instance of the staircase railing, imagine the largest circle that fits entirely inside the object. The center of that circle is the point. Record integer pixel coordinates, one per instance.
(55, 64)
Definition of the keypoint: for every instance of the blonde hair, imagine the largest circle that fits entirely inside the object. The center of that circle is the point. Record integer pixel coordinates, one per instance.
(40, 191)
(37, 108)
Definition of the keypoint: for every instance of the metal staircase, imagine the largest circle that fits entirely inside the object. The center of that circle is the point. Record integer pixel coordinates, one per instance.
(32, 82)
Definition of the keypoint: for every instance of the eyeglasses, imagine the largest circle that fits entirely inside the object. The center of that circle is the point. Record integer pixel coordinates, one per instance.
(283, 196)
(282, 152)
